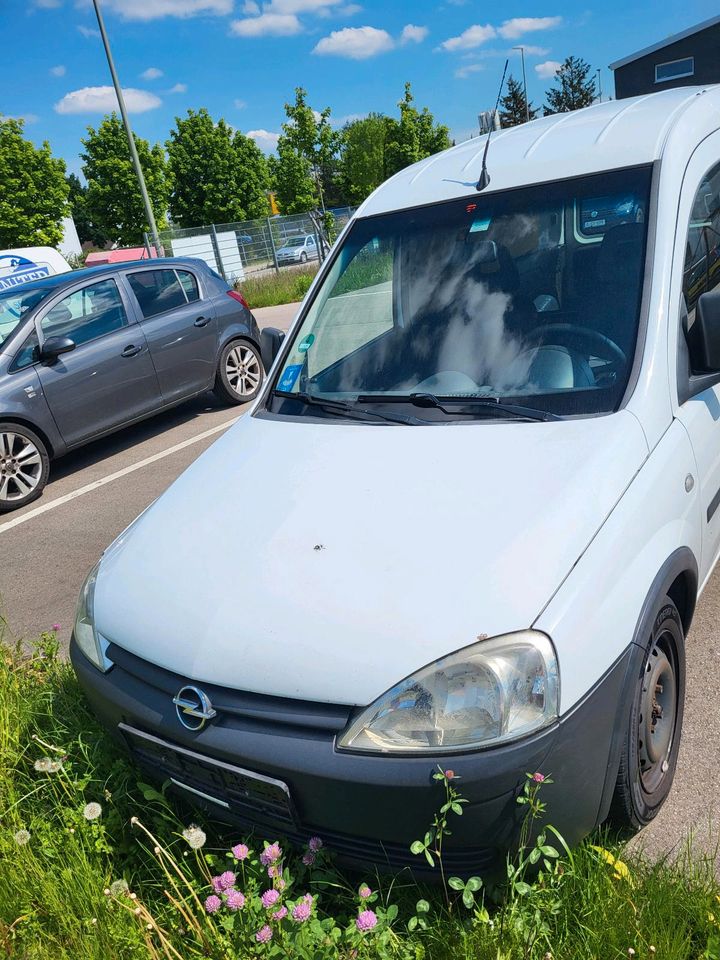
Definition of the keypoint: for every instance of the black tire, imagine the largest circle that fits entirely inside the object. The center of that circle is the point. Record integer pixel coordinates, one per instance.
(652, 741)
(240, 372)
(24, 460)
(303, 257)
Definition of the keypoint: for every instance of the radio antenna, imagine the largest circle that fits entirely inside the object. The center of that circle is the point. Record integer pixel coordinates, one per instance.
(484, 175)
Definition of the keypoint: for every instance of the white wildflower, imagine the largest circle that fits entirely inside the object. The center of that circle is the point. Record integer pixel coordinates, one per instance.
(92, 811)
(195, 836)
(22, 837)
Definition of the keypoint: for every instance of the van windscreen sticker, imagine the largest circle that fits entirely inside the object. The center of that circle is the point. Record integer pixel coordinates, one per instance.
(290, 375)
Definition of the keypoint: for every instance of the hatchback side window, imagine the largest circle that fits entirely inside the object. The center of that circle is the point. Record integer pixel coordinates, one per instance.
(157, 291)
(86, 314)
(189, 285)
(702, 248)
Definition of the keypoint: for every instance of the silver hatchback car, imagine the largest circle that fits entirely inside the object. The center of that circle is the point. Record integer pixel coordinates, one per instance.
(85, 353)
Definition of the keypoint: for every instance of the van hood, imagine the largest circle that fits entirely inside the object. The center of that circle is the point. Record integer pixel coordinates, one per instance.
(329, 560)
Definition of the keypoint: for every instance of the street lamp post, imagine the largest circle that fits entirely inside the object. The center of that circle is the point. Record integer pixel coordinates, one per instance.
(599, 80)
(527, 105)
(131, 141)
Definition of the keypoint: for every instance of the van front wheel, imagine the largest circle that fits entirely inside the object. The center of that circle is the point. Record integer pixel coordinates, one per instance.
(649, 756)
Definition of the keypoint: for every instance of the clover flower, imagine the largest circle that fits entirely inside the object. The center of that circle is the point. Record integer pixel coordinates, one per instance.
(364, 891)
(22, 837)
(449, 774)
(279, 883)
(217, 884)
(241, 851)
(270, 854)
(91, 811)
(269, 898)
(273, 871)
(213, 903)
(309, 858)
(301, 911)
(227, 879)
(195, 836)
(366, 920)
(538, 777)
(280, 914)
(264, 934)
(234, 900)
(315, 844)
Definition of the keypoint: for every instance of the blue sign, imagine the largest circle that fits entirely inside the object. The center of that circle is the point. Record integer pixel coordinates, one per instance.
(290, 375)
(15, 270)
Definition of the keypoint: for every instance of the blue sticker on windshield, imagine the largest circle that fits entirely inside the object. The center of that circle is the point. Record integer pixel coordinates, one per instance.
(290, 375)
(479, 226)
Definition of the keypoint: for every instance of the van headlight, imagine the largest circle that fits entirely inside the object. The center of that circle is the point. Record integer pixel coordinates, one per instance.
(486, 694)
(86, 636)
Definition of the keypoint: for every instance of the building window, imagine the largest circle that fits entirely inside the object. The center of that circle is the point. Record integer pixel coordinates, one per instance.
(674, 69)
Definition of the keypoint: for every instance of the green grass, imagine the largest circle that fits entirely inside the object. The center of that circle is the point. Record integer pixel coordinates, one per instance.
(53, 905)
(288, 286)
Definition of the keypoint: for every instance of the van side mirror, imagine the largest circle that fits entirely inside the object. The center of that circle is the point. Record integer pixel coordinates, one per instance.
(55, 347)
(270, 342)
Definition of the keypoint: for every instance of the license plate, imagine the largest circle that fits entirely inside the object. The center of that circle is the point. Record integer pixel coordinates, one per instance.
(250, 796)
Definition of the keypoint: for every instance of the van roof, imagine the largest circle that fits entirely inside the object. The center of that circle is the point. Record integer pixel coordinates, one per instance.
(604, 136)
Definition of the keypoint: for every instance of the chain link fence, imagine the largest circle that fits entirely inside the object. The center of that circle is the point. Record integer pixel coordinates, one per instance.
(253, 247)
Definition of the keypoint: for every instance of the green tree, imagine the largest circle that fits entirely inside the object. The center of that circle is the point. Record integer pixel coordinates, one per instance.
(573, 89)
(33, 190)
(87, 231)
(413, 137)
(217, 175)
(512, 105)
(362, 166)
(306, 168)
(113, 196)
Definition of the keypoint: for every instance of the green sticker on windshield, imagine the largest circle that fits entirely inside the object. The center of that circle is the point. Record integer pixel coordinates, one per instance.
(479, 226)
(306, 343)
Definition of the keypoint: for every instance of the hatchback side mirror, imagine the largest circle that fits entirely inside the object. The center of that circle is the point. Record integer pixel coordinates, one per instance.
(55, 347)
(270, 342)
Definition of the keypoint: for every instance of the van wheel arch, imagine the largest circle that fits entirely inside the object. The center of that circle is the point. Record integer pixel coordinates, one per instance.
(678, 580)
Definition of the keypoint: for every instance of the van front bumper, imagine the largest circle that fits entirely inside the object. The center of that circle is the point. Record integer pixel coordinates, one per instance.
(273, 766)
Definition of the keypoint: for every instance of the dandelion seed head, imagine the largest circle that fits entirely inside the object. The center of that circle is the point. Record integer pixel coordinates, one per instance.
(42, 765)
(119, 888)
(22, 837)
(92, 811)
(195, 836)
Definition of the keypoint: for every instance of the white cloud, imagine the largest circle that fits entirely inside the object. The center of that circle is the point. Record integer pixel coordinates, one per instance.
(58, 71)
(413, 34)
(89, 32)
(250, 8)
(265, 139)
(239, 104)
(355, 43)
(472, 37)
(267, 25)
(152, 73)
(300, 6)
(349, 10)
(157, 9)
(462, 73)
(178, 88)
(532, 51)
(103, 100)
(512, 29)
(547, 69)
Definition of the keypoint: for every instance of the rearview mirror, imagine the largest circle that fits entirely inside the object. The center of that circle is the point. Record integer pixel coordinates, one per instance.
(55, 347)
(270, 342)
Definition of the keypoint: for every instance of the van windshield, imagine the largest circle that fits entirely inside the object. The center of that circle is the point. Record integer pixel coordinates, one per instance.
(14, 304)
(524, 297)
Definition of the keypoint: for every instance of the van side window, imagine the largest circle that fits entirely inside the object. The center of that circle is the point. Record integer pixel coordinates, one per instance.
(702, 247)
(86, 314)
(157, 291)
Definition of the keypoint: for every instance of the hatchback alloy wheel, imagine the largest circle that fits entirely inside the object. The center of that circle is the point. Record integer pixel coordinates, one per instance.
(243, 370)
(21, 467)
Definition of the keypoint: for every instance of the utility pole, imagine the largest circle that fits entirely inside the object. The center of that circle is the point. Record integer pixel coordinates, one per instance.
(131, 141)
(527, 105)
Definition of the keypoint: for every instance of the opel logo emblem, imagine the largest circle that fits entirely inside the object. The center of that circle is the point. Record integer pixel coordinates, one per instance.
(193, 708)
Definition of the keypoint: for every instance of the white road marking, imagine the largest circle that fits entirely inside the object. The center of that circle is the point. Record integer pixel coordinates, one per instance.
(88, 488)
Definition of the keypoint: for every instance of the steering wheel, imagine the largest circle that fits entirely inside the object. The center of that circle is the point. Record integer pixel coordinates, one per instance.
(572, 335)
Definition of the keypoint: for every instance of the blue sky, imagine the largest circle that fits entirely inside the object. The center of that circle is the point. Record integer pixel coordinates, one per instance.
(242, 59)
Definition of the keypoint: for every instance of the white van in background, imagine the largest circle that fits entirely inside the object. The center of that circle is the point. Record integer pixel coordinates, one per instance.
(29, 263)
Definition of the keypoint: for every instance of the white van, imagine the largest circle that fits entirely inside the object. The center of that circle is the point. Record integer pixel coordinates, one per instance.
(467, 521)
(29, 263)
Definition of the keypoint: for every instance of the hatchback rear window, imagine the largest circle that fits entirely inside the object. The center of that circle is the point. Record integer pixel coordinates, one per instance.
(157, 291)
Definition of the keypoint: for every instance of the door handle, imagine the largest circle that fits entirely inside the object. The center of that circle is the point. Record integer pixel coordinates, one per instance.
(131, 351)
(202, 321)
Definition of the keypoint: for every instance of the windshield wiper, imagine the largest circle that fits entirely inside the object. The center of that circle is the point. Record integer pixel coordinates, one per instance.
(348, 409)
(514, 410)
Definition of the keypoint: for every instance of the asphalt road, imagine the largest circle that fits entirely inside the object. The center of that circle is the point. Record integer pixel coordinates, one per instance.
(44, 558)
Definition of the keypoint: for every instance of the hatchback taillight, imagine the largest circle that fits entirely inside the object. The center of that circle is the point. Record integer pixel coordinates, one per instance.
(239, 297)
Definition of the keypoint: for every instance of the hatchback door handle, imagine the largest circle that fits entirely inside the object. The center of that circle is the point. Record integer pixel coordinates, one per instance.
(202, 321)
(131, 351)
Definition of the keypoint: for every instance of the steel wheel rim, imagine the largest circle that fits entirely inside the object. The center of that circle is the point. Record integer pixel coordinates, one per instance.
(20, 467)
(658, 714)
(243, 372)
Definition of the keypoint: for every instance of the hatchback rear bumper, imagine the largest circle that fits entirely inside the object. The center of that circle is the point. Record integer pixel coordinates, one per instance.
(369, 809)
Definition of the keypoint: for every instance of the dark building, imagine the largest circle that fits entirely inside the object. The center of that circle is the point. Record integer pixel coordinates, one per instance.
(685, 59)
